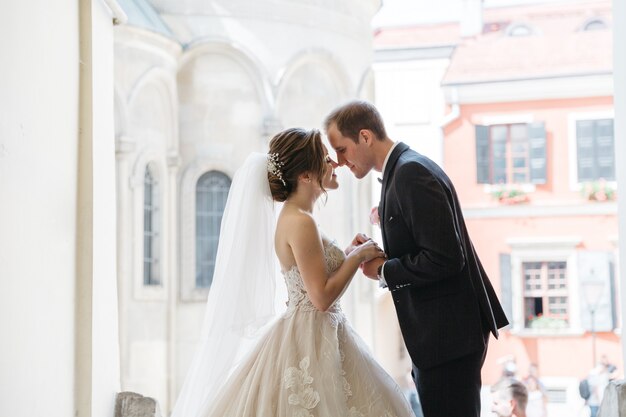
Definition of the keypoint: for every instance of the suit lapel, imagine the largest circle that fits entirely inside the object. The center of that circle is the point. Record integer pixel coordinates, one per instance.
(387, 174)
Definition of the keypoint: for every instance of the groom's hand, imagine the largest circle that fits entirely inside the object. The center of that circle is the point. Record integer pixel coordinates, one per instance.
(359, 239)
(370, 269)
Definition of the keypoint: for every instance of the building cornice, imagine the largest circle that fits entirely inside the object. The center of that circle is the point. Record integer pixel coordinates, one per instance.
(537, 211)
(597, 84)
(411, 54)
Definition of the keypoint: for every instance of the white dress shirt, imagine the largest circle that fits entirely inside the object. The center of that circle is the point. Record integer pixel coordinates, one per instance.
(381, 279)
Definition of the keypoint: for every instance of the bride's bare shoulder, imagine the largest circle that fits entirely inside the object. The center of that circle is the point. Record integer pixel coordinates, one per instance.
(294, 224)
(291, 217)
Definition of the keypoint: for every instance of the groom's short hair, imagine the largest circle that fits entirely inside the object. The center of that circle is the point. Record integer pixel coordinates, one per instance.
(353, 116)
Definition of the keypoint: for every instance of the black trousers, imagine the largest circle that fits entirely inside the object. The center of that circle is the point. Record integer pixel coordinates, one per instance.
(453, 388)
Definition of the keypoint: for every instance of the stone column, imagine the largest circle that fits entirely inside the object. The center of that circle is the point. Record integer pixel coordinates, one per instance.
(173, 167)
(125, 148)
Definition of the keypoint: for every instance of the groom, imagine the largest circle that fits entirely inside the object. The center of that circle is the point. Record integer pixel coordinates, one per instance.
(445, 303)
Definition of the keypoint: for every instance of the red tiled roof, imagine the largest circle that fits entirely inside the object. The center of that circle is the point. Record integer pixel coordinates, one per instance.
(558, 46)
(505, 58)
(417, 36)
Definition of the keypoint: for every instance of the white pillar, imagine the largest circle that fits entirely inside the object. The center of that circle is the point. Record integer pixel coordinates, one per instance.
(619, 77)
(97, 338)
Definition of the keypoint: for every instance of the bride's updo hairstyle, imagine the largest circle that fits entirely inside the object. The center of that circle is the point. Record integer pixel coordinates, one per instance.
(294, 152)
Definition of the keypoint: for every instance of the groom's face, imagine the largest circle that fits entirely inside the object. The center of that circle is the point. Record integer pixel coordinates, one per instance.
(356, 156)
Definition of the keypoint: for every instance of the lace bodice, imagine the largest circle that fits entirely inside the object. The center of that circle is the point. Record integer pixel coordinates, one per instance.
(298, 297)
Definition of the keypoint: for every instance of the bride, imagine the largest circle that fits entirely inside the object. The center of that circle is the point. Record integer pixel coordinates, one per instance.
(309, 361)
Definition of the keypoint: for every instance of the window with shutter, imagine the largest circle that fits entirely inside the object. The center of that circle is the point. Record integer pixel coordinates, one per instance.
(595, 150)
(545, 284)
(511, 154)
(546, 294)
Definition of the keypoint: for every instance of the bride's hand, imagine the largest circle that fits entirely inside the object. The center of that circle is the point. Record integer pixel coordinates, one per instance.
(358, 240)
(367, 251)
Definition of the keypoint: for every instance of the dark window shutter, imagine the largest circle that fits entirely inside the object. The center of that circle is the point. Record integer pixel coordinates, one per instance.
(585, 150)
(605, 151)
(595, 267)
(537, 151)
(614, 293)
(506, 288)
(482, 155)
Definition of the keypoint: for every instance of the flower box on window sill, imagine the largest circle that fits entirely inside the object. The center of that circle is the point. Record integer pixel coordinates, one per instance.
(543, 322)
(598, 191)
(510, 196)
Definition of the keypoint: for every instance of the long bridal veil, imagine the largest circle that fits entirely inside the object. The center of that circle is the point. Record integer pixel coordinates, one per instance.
(242, 296)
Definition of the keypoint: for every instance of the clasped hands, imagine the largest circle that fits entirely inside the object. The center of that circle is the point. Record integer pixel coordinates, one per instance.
(370, 267)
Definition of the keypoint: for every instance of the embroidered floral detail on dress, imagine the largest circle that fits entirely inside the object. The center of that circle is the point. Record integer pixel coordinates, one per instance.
(302, 396)
(347, 389)
(353, 412)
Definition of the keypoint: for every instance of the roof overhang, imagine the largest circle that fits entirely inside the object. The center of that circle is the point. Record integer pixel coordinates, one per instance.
(599, 84)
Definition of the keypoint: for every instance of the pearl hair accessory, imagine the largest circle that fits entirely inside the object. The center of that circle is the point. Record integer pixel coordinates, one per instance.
(274, 165)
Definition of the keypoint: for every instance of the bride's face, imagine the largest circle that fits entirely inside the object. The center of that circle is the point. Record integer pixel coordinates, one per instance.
(330, 178)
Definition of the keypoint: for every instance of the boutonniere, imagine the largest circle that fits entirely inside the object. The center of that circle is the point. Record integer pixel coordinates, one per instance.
(374, 217)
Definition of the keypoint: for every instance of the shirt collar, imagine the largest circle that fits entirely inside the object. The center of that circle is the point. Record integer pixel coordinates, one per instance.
(387, 157)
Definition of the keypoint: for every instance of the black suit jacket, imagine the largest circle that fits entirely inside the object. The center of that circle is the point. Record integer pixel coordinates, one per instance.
(443, 297)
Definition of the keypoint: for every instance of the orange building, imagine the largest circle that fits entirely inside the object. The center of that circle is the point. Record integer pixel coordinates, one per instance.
(528, 141)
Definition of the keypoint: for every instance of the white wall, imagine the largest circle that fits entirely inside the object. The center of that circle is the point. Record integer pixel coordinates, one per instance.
(411, 101)
(38, 161)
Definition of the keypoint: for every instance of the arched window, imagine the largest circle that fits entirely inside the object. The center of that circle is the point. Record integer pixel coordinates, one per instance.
(211, 193)
(151, 229)
(595, 24)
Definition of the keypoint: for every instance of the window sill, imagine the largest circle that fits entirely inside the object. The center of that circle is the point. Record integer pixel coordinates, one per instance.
(532, 333)
(195, 295)
(542, 209)
(150, 293)
(491, 188)
(578, 186)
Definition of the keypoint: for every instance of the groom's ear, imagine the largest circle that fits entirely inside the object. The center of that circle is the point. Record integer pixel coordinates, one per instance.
(367, 136)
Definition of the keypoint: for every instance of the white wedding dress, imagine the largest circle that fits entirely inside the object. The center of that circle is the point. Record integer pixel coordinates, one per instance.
(309, 363)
